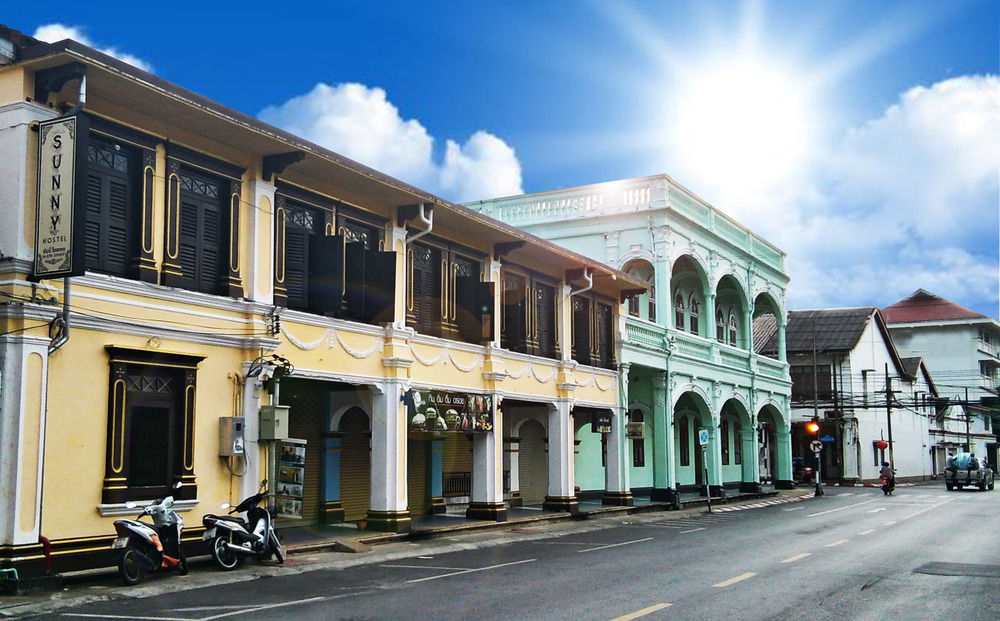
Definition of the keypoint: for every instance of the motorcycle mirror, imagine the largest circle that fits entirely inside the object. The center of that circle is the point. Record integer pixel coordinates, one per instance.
(131, 504)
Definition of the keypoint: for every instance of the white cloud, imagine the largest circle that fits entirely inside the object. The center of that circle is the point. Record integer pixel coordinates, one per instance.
(50, 33)
(361, 123)
(908, 200)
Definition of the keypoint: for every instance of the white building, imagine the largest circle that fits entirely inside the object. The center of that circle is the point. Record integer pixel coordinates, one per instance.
(962, 350)
(842, 361)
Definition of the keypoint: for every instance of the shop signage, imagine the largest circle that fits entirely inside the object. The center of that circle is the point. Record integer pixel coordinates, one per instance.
(634, 431)
(60, 241)
(455, 412)
(600, 421)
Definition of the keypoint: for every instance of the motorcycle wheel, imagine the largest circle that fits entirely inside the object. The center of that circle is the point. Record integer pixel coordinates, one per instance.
(276, 546)
(130, 567)
(226, 559)
(182, 563)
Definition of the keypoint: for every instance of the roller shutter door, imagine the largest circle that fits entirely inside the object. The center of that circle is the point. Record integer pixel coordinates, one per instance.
(305, 421)
(416, 477)
(355, 465)
(533, 467)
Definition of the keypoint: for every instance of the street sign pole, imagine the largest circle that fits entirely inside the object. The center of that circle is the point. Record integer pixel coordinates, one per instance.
(703, 441)
(817, 448)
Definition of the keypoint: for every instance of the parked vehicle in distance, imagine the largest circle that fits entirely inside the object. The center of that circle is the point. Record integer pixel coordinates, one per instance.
(966, 470)
(801, 473)
(143, 547)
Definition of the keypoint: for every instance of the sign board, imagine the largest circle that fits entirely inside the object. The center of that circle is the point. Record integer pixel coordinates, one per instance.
(600, 421)
(455, 412)
(635, 431)
(703, 437)
(816, 446)
(828, 439)
(60, 238)
(291, 478)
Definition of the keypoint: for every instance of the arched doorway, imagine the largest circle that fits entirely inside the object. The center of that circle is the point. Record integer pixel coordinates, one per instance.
(533, 469)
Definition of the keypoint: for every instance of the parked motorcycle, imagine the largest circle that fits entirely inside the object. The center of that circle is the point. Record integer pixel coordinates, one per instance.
(234, 537)
(146, 547)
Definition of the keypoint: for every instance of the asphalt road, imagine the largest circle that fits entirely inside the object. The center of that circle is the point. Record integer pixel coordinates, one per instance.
(923, 553)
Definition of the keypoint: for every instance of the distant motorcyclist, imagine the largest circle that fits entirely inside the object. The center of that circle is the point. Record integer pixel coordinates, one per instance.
(888, 474)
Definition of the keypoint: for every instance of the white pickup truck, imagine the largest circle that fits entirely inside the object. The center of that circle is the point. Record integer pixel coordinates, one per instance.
(965, 469)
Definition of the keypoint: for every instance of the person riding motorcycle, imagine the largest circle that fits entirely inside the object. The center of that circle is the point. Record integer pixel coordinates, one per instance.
(888, 474)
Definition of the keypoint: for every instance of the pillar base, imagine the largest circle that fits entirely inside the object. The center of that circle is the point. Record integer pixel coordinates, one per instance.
(665, 494)
(717, 491)
(784, 485)
(618, 499)
(495, 511)
(332, 512)
(750, 488)
(388, 521)
(437, 505)
(515, 500)
(561, 503)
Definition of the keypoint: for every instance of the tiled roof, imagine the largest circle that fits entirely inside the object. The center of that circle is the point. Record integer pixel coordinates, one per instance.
(925, 306)
(834, 330)
(764, 328)
(911, 365)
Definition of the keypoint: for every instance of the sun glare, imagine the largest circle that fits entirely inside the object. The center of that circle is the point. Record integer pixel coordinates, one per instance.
(744, 123)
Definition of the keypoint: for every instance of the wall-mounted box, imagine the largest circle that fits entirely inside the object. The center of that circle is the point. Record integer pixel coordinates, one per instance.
(273, 422)
(231, 430)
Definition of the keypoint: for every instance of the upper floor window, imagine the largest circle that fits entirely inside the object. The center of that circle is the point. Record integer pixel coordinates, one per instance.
(528, 314)
(593, 332)
(720, 327)
(804, 388)
(203, 229)
(695, 310)
(445, 296)
(113, 169)
(679, 312)
(732, 329)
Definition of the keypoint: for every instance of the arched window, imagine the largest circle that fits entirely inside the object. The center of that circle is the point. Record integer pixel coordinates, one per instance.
(685, 441)
(679, 312)
(695, 311)
(732, 329)
(720, 327)
(652, 303)
(638, 444)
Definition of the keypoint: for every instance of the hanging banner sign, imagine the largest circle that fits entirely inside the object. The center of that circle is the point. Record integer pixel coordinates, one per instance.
(456, 412)
(60, 239)
(600, 421)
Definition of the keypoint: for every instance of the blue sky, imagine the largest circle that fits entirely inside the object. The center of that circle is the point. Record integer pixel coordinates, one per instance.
(862, 138)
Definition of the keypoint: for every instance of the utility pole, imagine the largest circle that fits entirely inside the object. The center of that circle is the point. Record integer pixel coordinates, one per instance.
(888, 412)
(968, 435)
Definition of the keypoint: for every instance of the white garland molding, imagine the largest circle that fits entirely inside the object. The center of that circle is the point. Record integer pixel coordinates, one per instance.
(446, 351)
(593, 380)
(333, 338)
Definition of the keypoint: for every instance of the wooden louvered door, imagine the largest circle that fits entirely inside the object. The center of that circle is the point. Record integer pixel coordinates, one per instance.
(306, 420)
(418, 499)
(545, 320)
(296, 264)
(532, 464)
(111, 191)
(201, 232)
(425, 286)
(581, 330)
(605, 336)
(513, 333)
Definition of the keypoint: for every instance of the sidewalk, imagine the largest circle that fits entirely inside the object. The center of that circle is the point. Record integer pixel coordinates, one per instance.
(340, 546)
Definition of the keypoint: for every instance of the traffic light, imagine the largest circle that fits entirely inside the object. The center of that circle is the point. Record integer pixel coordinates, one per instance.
(813, 426)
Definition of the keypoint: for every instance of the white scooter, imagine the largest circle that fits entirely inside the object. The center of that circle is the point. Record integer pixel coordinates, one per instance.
(234, 537)
(145, 547)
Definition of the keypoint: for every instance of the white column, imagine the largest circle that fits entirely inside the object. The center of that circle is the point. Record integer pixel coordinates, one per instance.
(252, 394)
(561, 495)
(494, 277)
(616, 473)
(513, 468)
(23, 377)
(388, 502)
(260, 274)
(487, 473)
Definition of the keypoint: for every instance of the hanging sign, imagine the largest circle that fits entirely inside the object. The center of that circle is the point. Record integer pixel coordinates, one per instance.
(600, 421)
(634, 430)
(703, 436)
(60, 237)
(457, 412)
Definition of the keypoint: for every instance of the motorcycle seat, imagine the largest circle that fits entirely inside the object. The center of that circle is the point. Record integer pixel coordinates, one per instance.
(228, 518)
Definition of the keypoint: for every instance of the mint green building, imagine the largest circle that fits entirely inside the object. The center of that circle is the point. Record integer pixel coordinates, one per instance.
(687, 349)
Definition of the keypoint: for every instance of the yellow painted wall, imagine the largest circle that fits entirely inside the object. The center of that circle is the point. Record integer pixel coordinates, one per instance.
(14, 85)
(31, 434)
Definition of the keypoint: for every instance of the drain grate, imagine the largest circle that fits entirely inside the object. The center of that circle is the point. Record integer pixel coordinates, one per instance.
(959, 569)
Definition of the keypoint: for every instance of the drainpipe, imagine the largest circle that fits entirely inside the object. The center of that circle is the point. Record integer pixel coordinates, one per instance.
(428, 222)
(588, 275)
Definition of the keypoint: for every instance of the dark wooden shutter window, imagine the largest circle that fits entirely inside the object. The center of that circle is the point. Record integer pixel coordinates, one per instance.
(545, 321)
(605, 336)
(684, 441)
(425, 282)
(581, 330)
(326, 275)
(201, 232)
(110, 200)
(512, 329)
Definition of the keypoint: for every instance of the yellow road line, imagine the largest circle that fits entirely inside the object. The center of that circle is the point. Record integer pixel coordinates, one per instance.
(837, 543)
(889, 523)
(797, 557)
(735, 579)
(643, 612)
(867, 532)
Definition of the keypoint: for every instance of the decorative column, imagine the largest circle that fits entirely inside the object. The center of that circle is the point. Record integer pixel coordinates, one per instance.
(751, 461)
(661, 277)
(783, 477)
(24, 372)
(252, 392)
(664, 468)
(709, 318)
(487, 473)
(388, 510)
(561, 495)
(781, 339)
(260, 275)
(617, 490)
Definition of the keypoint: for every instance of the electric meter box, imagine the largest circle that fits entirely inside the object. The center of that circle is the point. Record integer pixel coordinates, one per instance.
(273, 422)
(231, 435)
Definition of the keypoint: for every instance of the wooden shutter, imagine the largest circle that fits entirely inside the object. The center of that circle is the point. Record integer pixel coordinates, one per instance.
(110, 243)
(210, 263)
(545, 320)
(425, 286)
(512, 331)
(297, 255)
(190, 242)
(605, 336)
(469, 316)
(581, 330)
(355, 464)
(417, 496)
(380, 286)
(354, 278)
(326, 274)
